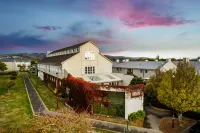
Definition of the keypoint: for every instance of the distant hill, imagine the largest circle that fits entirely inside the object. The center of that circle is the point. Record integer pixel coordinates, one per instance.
(113, 58)
(30, 56)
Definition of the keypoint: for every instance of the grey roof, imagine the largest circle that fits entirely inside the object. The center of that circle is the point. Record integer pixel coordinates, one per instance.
(140, 64)
(56, 60)
(14, 60)
(195, 64)
(70, 47)
(150, 64)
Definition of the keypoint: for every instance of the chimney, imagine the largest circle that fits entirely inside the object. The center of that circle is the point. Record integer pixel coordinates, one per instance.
(186, 60)
(169, 60)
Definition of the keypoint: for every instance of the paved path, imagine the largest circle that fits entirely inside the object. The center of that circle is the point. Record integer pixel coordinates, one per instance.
(153, 117)
(37, 104)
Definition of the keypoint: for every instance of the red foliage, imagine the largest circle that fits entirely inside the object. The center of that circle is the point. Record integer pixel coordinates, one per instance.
(83, 93)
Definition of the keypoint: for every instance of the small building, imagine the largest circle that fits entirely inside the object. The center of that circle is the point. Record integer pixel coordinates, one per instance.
(12, 64)
(143, 69)
(85, 61)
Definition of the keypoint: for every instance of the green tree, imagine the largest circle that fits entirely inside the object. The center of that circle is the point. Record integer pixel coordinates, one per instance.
(180, 89)
(3, 66)
(136, 80)
(10, 85)
(158, 57)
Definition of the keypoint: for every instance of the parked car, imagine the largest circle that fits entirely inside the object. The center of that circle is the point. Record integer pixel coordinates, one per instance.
(195, 128)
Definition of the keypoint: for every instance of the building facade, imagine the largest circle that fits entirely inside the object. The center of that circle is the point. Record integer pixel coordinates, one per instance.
(12, 64)
(143, 69)
(85, 61)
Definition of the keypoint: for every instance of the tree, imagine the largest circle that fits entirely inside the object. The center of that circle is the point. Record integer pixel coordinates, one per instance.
(10, 85)
(3, 66)
(158, 57)
(181, 93)
(136, 80)
(22, 67)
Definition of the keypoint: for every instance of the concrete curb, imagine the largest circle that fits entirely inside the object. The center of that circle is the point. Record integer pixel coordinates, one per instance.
(119, 127)
(159, 109)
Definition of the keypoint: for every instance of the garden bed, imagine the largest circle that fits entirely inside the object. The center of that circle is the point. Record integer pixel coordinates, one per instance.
(166, 125)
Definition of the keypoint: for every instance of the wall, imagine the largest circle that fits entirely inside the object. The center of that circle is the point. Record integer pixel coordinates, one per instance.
(76, 64)
(167, 66)
(136, 72)
(126, 78)
(132, 104)
(41, 75)
(12, 66)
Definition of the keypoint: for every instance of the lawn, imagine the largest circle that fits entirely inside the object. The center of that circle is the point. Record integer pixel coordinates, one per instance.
(15, 110)
(46, 94)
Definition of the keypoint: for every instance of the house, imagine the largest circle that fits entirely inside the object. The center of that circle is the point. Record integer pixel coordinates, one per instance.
(146, 69)
(12, 64)
(85, 61)
(143, 69)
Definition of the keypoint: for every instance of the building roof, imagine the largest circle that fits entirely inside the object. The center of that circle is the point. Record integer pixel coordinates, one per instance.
(14, 60)
(140, 64)
(101, 78)
(69, 47)
(56, 60)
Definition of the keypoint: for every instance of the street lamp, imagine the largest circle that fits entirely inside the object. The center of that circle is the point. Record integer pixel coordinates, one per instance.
(173, 77)
(57, 88)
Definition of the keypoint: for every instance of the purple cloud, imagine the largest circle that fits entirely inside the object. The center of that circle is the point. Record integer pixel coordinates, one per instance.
(47, 28)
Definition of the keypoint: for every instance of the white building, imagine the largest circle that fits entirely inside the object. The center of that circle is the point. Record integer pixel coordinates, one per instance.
(146, 69)
(12, 64)
(85, 61)
(143, 69)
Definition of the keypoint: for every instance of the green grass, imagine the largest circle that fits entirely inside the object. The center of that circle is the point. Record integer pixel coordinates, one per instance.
(46, 93)
(15, 110)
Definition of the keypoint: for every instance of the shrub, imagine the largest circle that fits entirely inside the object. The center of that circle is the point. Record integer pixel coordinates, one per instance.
(135, 115)
(12, 77)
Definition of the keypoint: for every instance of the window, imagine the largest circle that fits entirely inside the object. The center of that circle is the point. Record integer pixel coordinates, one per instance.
(93, 70)
(141, 71)
(86, 70)
(89, 55)
(146, 71)
(89, 70)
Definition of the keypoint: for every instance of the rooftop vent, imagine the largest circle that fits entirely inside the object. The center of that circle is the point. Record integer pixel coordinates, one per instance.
(94, 78)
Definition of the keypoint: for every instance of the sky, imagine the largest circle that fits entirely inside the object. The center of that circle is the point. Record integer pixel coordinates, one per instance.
(135, 28)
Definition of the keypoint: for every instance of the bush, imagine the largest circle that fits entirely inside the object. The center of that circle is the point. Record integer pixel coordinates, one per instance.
(12, 77)
(135, 115)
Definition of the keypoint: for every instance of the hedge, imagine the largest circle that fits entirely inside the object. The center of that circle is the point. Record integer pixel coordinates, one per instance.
(135, 115)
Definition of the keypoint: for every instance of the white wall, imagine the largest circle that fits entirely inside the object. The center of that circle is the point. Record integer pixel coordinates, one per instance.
(76, 64)
(13, 66)
(126, 78)
(41, 75)
(132, 104)
(168, 66)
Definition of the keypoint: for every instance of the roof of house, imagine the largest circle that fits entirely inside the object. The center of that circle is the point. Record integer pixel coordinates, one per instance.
(56, 60)
(14, 60)
(69, 47)
(140, 64)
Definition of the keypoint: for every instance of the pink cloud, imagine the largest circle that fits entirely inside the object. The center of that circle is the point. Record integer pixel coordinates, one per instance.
(138, 16)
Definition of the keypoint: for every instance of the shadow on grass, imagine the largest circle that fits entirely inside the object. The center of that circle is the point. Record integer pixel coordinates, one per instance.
(3, 91)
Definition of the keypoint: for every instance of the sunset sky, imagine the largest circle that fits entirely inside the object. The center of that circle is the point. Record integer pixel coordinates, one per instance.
(169, 28)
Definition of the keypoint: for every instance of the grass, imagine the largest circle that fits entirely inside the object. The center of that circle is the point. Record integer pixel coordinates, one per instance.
(166, 125)
(46, 94)
(15, 110)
